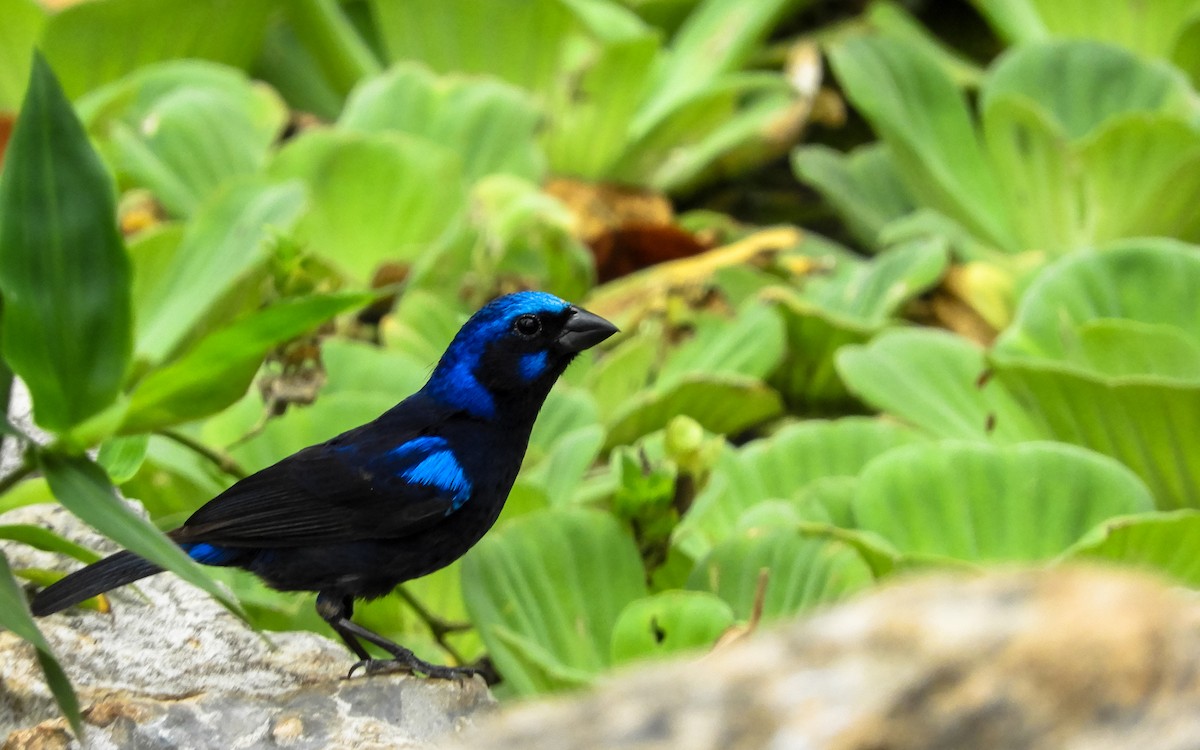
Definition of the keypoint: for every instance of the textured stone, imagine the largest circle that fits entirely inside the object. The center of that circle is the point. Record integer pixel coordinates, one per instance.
(1068, 659)
(171, 668)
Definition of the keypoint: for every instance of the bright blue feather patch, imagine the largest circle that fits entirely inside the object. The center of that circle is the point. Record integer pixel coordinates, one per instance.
(433, 464)
(206, 554)
(533, 365)
(454, 381)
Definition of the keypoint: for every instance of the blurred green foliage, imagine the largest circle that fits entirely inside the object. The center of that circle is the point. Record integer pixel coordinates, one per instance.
(227, 246)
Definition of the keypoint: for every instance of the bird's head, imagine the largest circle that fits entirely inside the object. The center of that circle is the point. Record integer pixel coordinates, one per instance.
(513, 350)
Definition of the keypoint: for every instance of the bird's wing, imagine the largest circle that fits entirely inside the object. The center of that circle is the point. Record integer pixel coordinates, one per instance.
(346, 490)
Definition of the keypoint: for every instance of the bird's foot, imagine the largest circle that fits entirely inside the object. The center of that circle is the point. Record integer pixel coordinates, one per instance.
(412, 666)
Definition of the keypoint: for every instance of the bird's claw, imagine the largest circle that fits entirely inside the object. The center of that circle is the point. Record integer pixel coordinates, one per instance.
(405, 666)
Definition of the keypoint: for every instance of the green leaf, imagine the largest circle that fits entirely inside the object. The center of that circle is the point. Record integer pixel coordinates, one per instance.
(173, 481)
(863, 187)
(537, 581)
(1131, 403)
(1141, 174)
(625, 370)
(845, 306)
(522, 44)
(217, 371)
(1122, 348)
(984, 503)
(587, 63)
(779, 467)
(1033, 160)
(1138, 421)
(489, 123)
(701, 126)
(47, 541)
(423, 324)
(1161, 542)
(64, 274)
(725, 404)
(935, 381)
(224, 241)
(358, 367)
(669, 623)
(122, 457)
(14, 615)
(1013, 20)
(29, 492)
(299, 428)
(23, 21)
(1151, 30)
(334, 46)
(567, 410)
(760, 128)
(892, 19)
(83, 488)
(592, 108)
(1105, 81)
(718, 37)
(1143, 281)
(1084, 137)
(801, 572)
(295, 69)
(81, 40)
(183, 128)
(914, 106)
(376, 197)
(518, 231)
(719, 346)
(867, 294)
(560, 473)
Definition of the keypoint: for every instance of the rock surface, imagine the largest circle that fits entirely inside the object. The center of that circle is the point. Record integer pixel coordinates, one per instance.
(1068, 659)
(171, 668)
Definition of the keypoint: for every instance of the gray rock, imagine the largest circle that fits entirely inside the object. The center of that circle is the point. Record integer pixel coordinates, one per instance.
(20, 413)
(1068, 659)
(171, 668)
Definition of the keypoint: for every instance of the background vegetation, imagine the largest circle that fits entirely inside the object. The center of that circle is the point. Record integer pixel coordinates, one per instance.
(900, 285)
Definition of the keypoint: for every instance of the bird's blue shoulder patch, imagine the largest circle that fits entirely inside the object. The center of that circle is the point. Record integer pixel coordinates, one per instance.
(430, 461)
(208, 554)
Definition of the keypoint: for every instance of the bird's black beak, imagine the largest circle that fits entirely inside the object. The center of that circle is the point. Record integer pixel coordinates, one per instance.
(583, 331)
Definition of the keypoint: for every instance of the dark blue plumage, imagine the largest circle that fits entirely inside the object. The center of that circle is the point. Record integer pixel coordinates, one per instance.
(396, 498)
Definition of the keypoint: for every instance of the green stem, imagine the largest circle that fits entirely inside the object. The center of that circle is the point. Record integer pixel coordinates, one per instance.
(437, 626)
(18, 474)
(332, 40)
(222, 461)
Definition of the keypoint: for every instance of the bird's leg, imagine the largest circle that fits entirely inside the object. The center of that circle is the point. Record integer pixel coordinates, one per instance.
(336, 611)
(332, 610)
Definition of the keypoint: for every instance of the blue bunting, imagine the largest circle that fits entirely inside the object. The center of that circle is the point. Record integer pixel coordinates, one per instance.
(396, 498)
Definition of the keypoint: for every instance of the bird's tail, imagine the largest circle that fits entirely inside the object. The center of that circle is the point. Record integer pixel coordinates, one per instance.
(113, 571)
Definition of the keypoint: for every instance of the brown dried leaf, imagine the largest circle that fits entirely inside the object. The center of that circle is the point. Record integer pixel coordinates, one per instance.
(627, 228)
(7, 120)
(632, 297)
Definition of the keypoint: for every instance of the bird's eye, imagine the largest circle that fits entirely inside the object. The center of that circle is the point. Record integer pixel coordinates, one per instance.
(528, 325)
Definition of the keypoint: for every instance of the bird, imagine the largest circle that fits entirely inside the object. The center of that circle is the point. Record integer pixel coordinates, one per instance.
(391, 500)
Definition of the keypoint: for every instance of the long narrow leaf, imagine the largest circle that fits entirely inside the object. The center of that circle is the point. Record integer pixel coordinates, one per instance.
(217, 371)
(82, 487)
(227, 237)
(14, 615)
(64, 273)
(46, 540)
